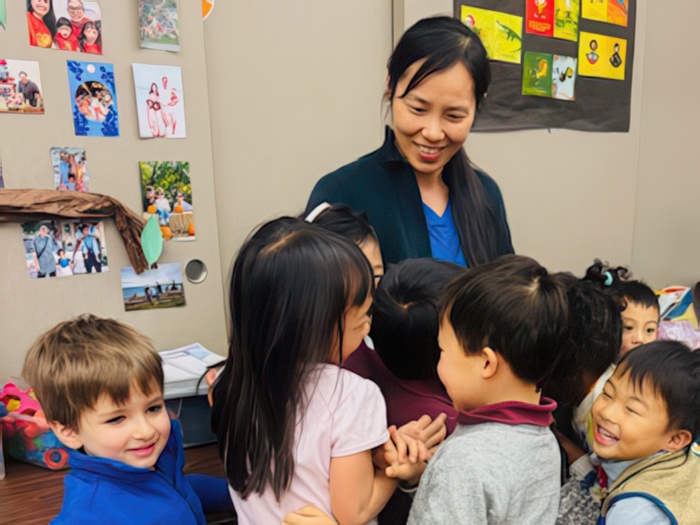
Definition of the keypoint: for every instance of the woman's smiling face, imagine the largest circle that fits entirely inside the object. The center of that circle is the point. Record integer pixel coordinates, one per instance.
(433, 120)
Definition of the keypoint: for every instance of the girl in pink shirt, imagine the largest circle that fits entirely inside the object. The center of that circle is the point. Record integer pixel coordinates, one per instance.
(293, 427)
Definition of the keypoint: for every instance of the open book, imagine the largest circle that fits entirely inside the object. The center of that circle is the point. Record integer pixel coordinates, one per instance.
(184, 370)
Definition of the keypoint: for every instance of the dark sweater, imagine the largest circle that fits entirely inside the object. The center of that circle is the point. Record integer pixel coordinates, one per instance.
(383, 185)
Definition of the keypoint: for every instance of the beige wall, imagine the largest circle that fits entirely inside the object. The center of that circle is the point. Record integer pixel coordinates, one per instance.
(666, 249)
(28, 307)
(295, 91)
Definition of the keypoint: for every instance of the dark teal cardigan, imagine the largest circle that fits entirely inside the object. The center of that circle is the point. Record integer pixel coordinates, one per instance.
(383, 185)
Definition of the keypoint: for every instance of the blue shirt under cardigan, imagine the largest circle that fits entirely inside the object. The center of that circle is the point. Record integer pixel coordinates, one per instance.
(383, 185)
(105, 491)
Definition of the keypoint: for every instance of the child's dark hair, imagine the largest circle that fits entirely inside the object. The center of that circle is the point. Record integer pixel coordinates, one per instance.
(290, 288)
(405, 317)
(639, 293)
(616, 282)
(63, 21)
(672, 369)
(513, 306)
(595, 331)
(343, 220)
(98, 27)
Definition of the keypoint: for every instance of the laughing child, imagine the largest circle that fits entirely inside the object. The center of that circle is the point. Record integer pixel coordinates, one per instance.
(646, 422)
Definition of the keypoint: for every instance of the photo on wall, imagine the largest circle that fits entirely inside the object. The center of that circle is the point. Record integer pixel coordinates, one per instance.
(64, 248)
(20, 87)
(2, 180)
(167, 194)
(160, 101)
(93, 98)
(158, 25)
(69, 25)
(70, 172)
(152, 289)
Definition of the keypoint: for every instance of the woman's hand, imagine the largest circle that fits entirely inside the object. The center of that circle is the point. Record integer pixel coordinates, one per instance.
(309, 515)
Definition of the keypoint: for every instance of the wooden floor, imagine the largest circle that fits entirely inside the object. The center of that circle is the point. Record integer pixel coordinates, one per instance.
(31, 495)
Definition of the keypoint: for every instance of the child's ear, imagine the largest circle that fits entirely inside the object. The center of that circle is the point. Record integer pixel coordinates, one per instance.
(65, 435)
(679, 440)
(490, 363)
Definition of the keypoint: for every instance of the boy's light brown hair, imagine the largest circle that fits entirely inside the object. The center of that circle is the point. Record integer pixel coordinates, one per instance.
(74, 363)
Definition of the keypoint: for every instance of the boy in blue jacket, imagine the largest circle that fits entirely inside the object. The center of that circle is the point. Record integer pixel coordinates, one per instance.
(100, 384)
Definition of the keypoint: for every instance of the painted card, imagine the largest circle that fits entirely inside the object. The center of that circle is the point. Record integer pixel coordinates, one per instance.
(566, 17)
(602, 56)
(564, 77)
(539, 17)
(618, 12)
(160, 101)
(70, 172)
(20, 87)
(167, 194)
(64, 248)
(159, 25)
(2, 180)
(537, 74)
(157, 288)
(94, 99)
(69, 25)
(610, 11)
(3, 15)
(501, 33)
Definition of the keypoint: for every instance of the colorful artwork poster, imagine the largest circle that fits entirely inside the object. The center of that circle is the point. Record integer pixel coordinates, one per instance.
(20, 87)
(537, 74)
(602, 56)
(167, 194)
(501, 33)
(160, 101)
(3, 15)
(94, 99)
(158, 25)
(564, 77)
(610, 11)
(69, 25)
(566, 17)
(539, 17)
(63, 248)
(152, 289)
(207, 8)
(70, 172)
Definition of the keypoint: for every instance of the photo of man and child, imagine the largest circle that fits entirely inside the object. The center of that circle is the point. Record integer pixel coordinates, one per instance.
(20, 87)
(64, 248)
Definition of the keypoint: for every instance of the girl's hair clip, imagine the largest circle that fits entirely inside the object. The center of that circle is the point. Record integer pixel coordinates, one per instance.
(311, 217)
(608, 278)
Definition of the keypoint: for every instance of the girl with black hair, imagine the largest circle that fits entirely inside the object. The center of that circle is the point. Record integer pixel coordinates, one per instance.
(421, 193)
(293, 427)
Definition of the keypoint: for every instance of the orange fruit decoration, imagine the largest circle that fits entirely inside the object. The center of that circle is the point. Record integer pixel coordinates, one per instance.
(167, 233)
(151, 209)
(177, 209)
(190, 230)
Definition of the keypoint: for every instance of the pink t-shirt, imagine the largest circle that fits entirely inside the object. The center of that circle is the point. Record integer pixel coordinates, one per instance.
(345, 415)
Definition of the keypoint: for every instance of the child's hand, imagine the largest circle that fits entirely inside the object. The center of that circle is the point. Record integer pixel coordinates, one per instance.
(309, 515)
(432, 432)
(403, 454)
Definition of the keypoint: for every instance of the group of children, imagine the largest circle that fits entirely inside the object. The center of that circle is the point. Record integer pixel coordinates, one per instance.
(308, 410)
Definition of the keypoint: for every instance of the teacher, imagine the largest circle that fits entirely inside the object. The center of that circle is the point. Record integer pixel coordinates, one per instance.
(419, 190)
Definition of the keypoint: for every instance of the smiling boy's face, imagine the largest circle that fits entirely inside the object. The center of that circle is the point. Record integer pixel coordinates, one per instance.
(134, 433)
(630, 422)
